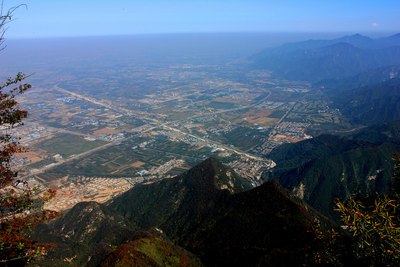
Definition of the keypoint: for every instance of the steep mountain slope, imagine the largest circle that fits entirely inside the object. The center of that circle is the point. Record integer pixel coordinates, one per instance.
(368, 78)
(329, 167)
(84, 235)
(326, 59)
(206, 210)
(370, 104)
(89, 235)
(174, 202)
(264, 225)
(379, 133)
(367, 98)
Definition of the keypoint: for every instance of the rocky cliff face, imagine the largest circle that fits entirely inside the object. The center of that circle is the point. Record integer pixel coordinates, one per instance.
(328, 167)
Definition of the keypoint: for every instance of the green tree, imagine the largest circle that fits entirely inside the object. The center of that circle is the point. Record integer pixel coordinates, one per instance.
(21, 206)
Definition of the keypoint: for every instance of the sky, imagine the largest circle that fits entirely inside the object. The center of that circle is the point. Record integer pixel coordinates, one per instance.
(58, 18)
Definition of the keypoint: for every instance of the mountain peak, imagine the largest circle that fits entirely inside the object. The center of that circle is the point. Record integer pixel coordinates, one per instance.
(188, 193)
(357, 40)
(214, 175)
(356, 36)
(211, 164)
(193, 210)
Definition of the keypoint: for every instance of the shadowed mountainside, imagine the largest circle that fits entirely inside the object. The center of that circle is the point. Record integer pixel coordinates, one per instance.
(206, 210)
(84, 235)
(264, 225)
(370, 104)
(328, 167)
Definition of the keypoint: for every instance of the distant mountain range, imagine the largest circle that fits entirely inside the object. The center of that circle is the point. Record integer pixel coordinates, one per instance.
(329, 167)
(360, 77)
(371, 97)
(205, 211)
(370, 104)
(316, 60)
(367, 78)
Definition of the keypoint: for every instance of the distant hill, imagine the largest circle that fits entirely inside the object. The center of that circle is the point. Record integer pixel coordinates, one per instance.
(316, 60)
(209, 211)
(371, 97)
(367, 78)
(371, 104)
(328, 167)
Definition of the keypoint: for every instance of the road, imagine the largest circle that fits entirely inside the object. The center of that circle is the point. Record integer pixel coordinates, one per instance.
(69, 159)
(152, 122)
(227, 110)
(81, 155)
(106, 104)
(164, 125)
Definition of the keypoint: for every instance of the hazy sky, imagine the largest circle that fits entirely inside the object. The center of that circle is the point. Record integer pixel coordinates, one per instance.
(48, 18)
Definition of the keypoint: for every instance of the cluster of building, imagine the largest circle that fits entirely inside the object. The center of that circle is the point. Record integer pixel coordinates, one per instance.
(160, 172)
(89, 189)
(18, 162)
(284, 132)
(329, 110)
(112, 137)
(166, 167)
(251, 168)
(66, 99)
(271, 105)
(297, 89)
(30, 132)
(194, 124)
(268, 145)
(295, 129)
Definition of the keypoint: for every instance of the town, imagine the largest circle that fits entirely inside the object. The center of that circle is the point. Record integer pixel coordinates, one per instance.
(94, 145)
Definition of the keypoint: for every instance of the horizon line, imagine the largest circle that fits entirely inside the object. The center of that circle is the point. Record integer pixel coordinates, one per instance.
(373, 33)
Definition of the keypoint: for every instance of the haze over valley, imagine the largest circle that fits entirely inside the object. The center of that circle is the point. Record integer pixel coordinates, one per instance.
(101, 122)
(200, 134)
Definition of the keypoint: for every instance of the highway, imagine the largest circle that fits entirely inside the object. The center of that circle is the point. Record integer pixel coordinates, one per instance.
(164, 125)
(152, 124)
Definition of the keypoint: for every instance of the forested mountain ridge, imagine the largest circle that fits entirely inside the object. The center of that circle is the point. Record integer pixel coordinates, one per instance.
(367, 78)
(371, 104)
(264, 225)
(329, 167)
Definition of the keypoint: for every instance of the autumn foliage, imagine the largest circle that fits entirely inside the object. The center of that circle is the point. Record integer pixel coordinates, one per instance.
(375, 224)
(21, 205)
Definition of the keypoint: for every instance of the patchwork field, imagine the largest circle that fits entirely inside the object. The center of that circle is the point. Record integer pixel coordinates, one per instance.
(68, 144)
